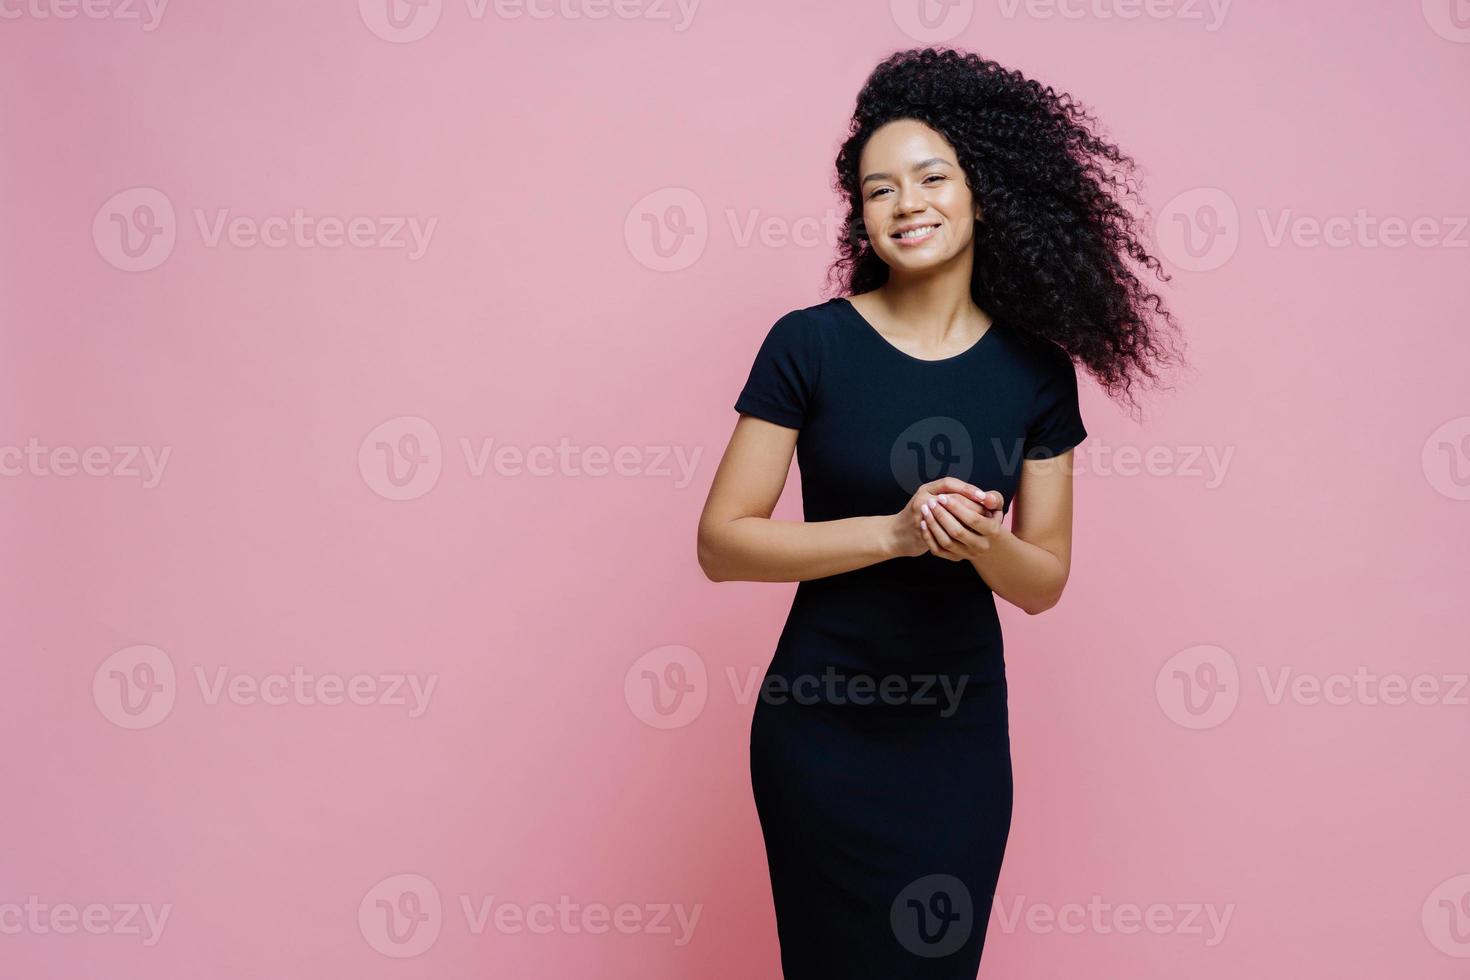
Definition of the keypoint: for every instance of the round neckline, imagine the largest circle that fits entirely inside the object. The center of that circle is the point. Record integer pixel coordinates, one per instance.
(877, 335)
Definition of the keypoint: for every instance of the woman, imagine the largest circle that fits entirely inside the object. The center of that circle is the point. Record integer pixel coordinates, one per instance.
(987, 250)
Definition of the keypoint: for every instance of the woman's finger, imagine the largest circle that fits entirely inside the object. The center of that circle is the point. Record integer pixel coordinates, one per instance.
(934, 548)
(949, 523)
(966, 512)
(929, 541)
(932, 512)
(949, 484)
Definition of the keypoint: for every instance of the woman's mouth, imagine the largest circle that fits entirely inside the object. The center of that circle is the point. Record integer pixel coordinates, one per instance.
(916, 235)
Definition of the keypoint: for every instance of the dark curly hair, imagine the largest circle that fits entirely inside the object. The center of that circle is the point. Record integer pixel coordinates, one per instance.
(1053, 247)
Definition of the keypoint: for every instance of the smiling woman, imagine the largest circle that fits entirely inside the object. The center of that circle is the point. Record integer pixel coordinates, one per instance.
(934, 398)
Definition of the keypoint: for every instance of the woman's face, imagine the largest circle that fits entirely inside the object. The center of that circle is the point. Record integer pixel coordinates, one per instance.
(909, 177)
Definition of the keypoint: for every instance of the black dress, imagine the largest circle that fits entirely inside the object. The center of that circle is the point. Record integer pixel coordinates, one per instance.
(879, 746)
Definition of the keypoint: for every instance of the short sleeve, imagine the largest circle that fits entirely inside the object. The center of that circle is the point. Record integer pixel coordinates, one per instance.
(1056, 421)
(783, 379)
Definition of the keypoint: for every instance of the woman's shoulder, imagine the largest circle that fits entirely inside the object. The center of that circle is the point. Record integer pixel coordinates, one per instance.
(816, 317)
(809, 328)
(1031, 351)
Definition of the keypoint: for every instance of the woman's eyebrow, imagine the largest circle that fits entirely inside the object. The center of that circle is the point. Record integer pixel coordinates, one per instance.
(932, 161)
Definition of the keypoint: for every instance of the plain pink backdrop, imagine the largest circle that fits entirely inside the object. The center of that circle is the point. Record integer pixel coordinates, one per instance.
(621, 205)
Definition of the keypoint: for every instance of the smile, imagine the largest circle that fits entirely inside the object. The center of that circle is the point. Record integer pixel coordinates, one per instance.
(916, 234)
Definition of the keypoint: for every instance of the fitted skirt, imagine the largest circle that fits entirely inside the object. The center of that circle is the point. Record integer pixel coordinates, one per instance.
(885, 816)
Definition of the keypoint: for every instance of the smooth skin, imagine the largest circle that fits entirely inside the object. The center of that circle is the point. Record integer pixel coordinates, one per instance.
(911, 176)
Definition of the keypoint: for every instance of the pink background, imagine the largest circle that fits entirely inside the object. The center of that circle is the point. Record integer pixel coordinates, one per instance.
(1329, 378)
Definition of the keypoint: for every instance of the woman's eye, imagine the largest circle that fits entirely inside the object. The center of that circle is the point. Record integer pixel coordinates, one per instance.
(926, 180)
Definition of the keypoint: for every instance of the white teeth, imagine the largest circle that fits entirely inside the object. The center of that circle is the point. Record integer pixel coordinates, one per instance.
(917, 232)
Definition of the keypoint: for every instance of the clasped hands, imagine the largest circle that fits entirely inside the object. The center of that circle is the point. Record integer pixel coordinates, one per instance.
(949, 518)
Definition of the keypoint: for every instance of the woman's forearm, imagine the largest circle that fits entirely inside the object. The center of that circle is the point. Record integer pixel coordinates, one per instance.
(760, 549)
(1021, 573)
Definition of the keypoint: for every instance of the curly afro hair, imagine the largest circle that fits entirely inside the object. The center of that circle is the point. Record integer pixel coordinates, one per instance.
(1053, 247)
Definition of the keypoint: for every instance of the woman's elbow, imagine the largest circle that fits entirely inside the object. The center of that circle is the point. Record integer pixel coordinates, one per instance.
(711, 571)
(1043, 603)
(709, 557)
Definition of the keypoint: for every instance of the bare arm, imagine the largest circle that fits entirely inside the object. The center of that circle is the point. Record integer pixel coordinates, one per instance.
(738, 541)
(1028, 564)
